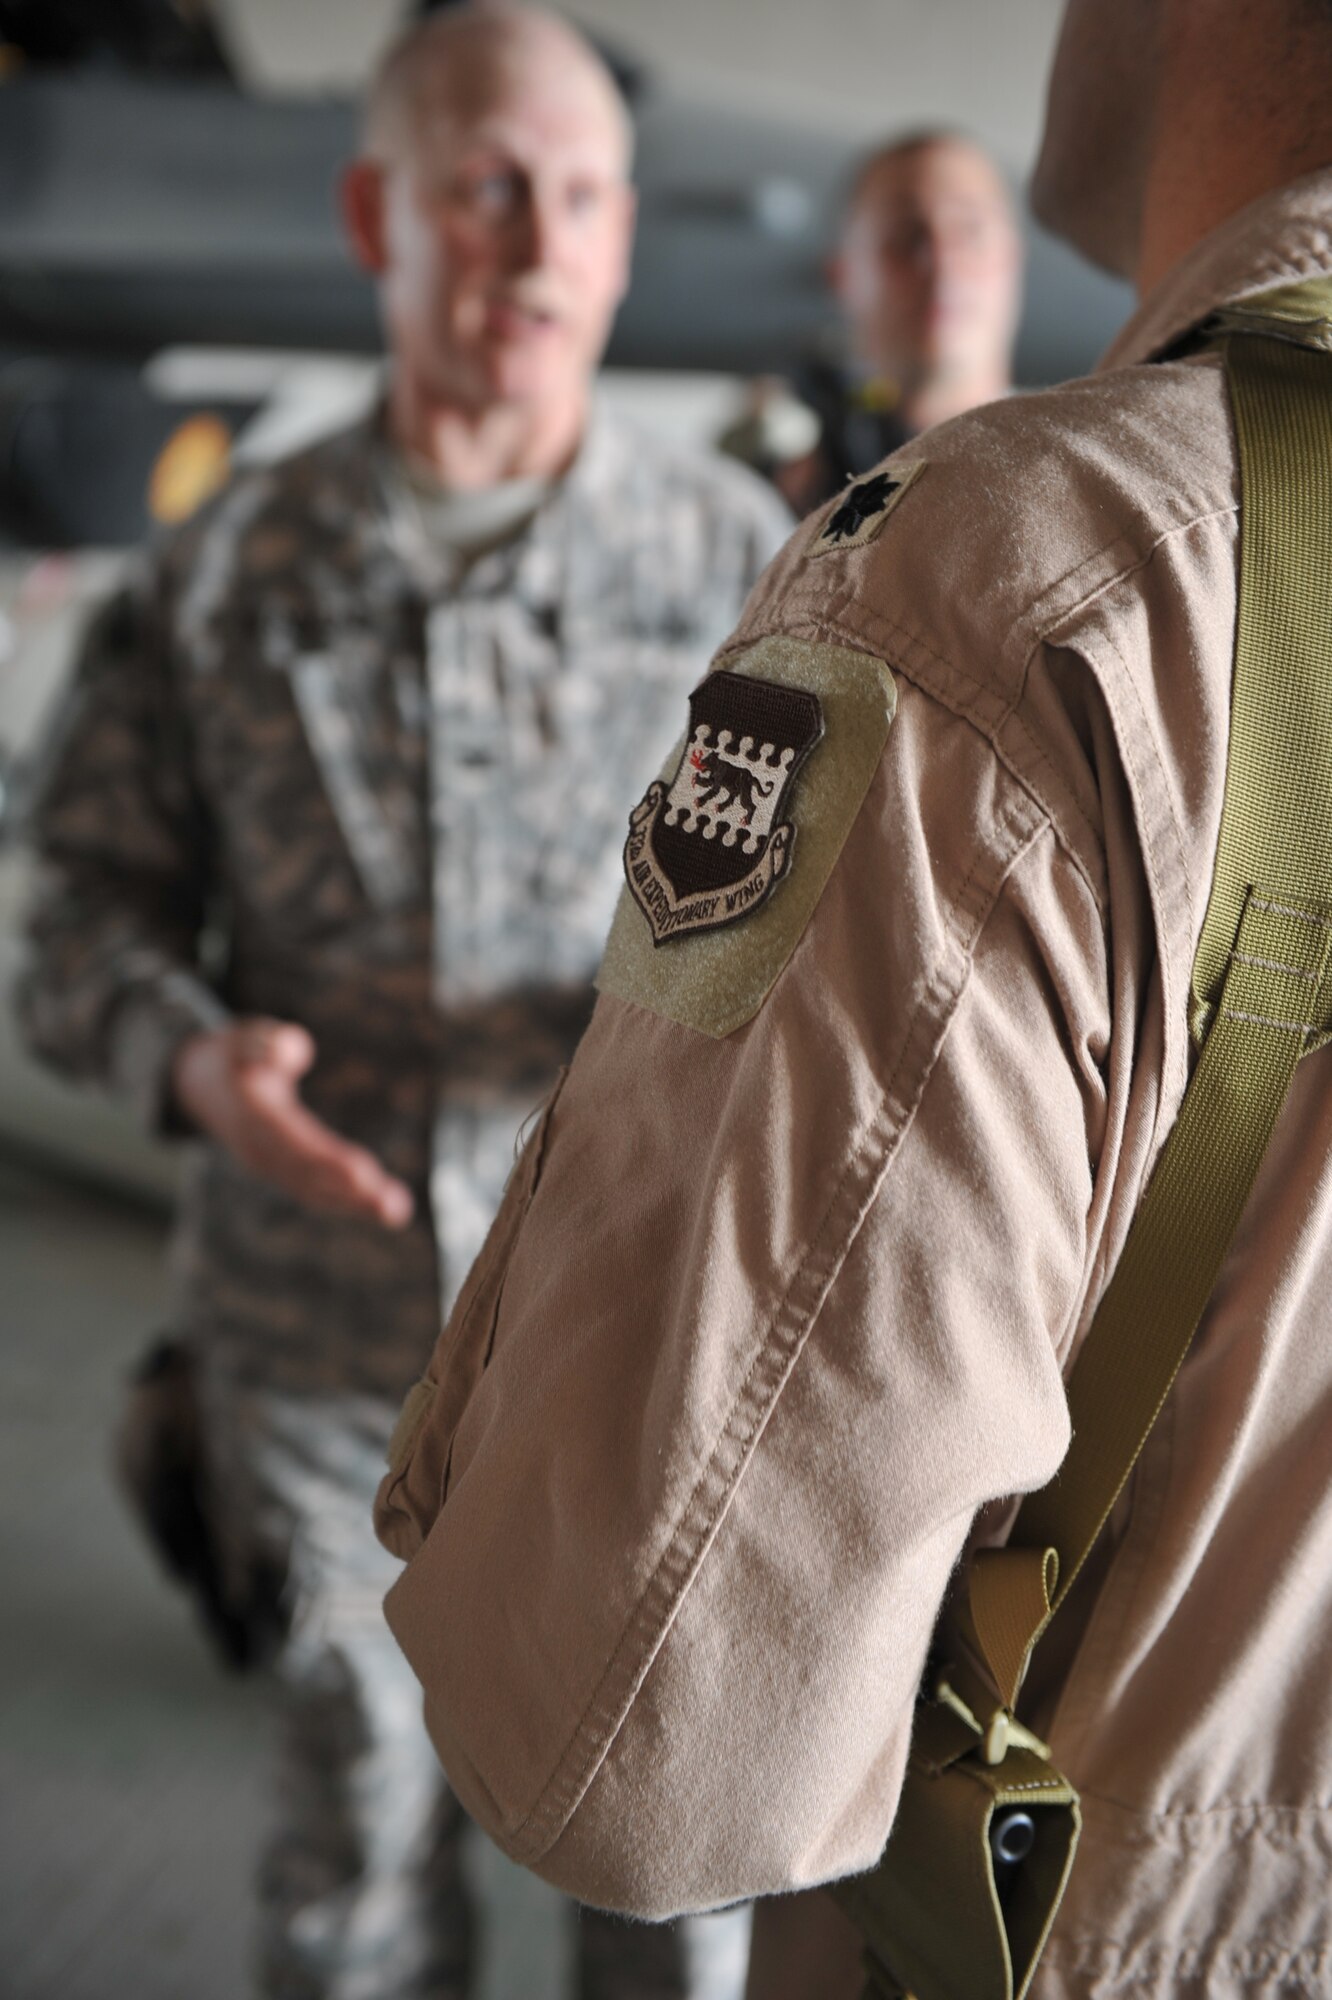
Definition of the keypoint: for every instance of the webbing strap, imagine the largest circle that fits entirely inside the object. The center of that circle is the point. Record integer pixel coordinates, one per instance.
(1275, 825)
(1262, 991)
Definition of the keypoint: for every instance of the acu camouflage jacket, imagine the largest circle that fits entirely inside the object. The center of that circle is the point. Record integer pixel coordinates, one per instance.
(312, 771)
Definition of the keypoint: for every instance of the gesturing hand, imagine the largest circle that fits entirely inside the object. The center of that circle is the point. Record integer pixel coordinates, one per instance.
(239, 1085)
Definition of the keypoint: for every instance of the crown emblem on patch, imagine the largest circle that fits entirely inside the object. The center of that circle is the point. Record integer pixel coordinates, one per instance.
(711, 846)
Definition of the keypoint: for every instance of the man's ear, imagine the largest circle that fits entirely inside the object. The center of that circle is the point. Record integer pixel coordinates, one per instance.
(361, 200)
(834, 275)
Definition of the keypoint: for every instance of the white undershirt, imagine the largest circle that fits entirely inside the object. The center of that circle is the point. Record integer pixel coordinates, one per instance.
(469, 522)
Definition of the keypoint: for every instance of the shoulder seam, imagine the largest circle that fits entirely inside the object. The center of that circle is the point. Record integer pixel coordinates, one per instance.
(873, 632)
(789, 1324)
(829, 632)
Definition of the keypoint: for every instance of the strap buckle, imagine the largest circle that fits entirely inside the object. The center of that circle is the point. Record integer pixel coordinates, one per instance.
(996, 1728)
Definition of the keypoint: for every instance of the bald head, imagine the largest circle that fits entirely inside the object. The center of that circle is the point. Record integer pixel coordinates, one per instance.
(482, 55)
(492, 202)
(928, 264)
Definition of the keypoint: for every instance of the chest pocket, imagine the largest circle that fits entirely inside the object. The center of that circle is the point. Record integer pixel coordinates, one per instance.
(623, 710)
(314, 757)
(421, 1454)
(365, 719)
(540, 733)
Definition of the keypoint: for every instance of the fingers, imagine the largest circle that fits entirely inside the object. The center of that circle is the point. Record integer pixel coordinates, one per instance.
(348, 1181)
(393, 1201)
(362, 1184)
(355, 1185)
(305, 1157)
(249, 1100)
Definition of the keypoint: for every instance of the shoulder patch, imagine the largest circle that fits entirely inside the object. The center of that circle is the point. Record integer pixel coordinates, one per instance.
(708, 849)
(864, 507)
(729, 851)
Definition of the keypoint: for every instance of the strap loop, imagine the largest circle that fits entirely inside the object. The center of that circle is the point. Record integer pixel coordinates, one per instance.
(1262, 993)
(1274, 824)
(1012, 1601)
(944, 1908)
(1276, 999)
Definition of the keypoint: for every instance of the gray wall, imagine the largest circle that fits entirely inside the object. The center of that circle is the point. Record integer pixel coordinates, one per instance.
(850, 66)
(836, 73)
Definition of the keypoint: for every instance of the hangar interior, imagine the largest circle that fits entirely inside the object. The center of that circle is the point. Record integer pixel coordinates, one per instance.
(169, 251)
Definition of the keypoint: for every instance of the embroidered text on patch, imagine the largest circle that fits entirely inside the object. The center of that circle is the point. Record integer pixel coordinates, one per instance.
(710, 847)
(864, 507)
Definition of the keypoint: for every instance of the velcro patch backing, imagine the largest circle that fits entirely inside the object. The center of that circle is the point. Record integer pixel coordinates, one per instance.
(716, 980)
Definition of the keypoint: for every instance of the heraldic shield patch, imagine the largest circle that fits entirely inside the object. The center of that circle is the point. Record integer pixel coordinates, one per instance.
(832, 707)
(711, 846)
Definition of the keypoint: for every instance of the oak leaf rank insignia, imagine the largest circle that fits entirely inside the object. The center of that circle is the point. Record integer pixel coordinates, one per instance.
(863, 508)
(712, 845)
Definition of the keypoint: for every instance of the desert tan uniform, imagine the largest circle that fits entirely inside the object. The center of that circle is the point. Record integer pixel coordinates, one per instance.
(319, 766)
(793, 1273)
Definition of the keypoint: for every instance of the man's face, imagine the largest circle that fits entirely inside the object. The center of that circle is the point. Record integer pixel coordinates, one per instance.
(507, 229)
(929, 265)
(1090, 180)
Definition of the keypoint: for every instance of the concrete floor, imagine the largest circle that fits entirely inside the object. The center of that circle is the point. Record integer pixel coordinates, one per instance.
(132, 1770)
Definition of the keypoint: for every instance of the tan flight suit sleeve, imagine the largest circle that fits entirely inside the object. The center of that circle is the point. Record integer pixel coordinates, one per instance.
(113, 981)
(765, 1320)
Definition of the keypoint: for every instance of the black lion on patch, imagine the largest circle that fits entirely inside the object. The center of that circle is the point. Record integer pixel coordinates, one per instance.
(716, 779)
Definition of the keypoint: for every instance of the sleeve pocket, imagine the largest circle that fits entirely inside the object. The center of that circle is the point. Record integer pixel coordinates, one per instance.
(413, 1490)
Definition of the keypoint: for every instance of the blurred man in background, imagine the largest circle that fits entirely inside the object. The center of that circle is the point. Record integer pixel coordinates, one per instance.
(927, 273)
(329, 853)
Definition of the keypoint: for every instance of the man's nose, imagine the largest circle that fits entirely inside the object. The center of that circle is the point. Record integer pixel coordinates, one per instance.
(931, 253)
(538, 231)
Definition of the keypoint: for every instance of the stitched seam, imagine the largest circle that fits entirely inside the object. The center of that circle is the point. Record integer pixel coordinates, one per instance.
(670, 1557)
(662, 1583)
(1275, 965)
(1258, 1811)
(1284, 910)
(1009, 823)
(1140, 561)
(1166, 791)
(1149, 855)
(1267, 1021)
(665, 1590)
(829, 626)
(860, 641)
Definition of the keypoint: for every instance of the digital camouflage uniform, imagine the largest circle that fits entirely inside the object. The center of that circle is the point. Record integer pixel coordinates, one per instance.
(321, 770)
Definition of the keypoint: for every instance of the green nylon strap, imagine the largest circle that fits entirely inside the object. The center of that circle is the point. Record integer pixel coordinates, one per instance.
(1262, 985)
(1280, 756)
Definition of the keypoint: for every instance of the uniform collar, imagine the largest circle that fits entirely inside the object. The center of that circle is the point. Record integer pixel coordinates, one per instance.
(1276, 240)
(535, 562)
(551, 556)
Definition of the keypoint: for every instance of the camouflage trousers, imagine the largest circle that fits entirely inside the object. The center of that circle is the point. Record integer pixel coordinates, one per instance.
(364, 1890)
